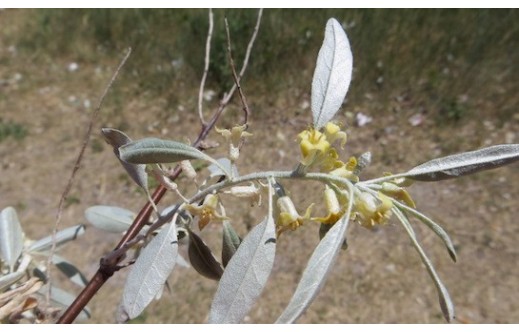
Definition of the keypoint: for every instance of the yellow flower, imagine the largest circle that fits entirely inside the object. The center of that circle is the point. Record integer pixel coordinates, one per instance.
(288, 217)
(335, 211)
(316, 147)
(234, 137)
(347, 171)
(398, 193)
(372, 210)
(207, 211)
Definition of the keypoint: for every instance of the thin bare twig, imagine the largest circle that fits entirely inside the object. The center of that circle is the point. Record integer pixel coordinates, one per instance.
(105, 272)
(77, 164)
(235, 76)
(206, 66)
(229, 95)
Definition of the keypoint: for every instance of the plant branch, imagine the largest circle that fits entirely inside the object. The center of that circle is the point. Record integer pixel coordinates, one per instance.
(77, 164)
(105, 272)
(206, 67)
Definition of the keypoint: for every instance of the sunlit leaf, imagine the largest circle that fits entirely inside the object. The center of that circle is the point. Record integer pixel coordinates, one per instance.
(465, 163)
(332, 74)
(149, 273)
(246, 275)
(437, 229)
(226, 164)
(11, 237)
(202, 258)
(9, 279)
(230, 243)
(62, 237)
(137, 172)
(112, 219)
(317, 270)
(69, 270)
(444, 298)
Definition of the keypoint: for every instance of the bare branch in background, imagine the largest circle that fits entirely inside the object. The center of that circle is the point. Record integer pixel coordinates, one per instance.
(77, 165)
(206, 66)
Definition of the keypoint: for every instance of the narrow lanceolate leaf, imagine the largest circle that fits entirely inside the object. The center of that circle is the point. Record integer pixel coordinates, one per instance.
(9, 279)
(246, 275)
(230, 243)
(63, 236)
(225, 163)
(11, 237)
(437, 229)
(316, 272)
(332, 74)
(465, 163)
(202, 258)
(68, 269)
(444, 298)
(137, 172)
(111, 219)
(149, 273)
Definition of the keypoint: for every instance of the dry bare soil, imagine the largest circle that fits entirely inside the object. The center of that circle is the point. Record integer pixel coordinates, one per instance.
(378, 279)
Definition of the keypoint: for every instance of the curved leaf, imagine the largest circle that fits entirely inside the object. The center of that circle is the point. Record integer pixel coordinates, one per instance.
(156, 151)
(149, 273)
(465, 163)
(63, 236)
(437, 229)
(112, 219)
(69, 270)
(317, 270)
(202, 258)
(137, 172)
(11, 237)
(332, 74)
(246, 275)
(226, 164)
(230, 243)
(9, 279)
(444, 298)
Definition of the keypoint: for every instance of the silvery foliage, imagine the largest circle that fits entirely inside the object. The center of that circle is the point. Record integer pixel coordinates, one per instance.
(246, 264)
(22, 258)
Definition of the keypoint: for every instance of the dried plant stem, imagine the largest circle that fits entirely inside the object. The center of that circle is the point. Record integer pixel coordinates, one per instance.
(105, 271)
(206, 66)
(76, 168)
(235, 76)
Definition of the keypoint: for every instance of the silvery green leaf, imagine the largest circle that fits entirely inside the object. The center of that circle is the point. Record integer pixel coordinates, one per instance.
(181, 261)
(444, 297)
(332, 74)
(149, 273)
(230, 243)
(202, 258)
(465, 163)
(156, 151)
(246, 275)
(323, 230)
(226, 164)
(63, 236)
(316, 272)
(69, 270)
(137, 172)
(437, 229)
(112, 219)
(11, 237)
(63, 299)
(9, 279)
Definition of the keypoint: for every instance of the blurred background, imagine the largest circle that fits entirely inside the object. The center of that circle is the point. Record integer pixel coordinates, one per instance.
(426, 83)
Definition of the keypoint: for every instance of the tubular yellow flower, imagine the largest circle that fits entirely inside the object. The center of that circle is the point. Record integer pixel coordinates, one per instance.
(398, 193)
(372, 210)
(347, 171)
(234, 137)
(316, 147)
(288, 217)
(207, 211)
(335, 212)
